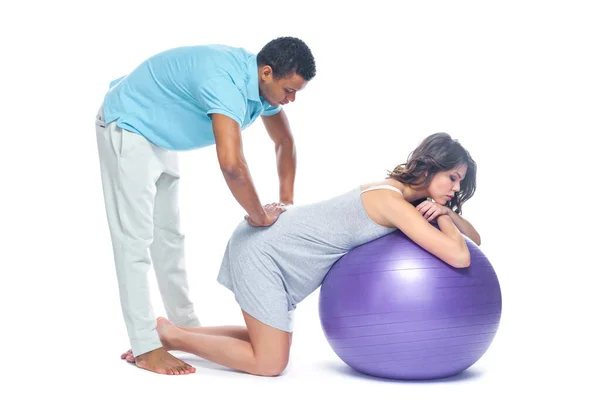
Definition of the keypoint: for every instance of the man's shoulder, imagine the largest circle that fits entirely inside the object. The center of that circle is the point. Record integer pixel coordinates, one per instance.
(216, 53)
(217, 50)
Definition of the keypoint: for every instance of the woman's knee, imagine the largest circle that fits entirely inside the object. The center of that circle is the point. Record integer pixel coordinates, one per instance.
(271, 347)
(271, 367)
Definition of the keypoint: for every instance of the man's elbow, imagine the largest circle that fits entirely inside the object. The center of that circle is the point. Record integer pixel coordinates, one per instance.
(232, 170)
(285, 144)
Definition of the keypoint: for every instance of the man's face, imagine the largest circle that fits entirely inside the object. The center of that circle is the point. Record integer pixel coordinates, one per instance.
(279, 91)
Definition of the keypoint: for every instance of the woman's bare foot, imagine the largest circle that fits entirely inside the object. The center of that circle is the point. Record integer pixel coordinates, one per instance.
(160, 360)
(166, 332)
(163, 326)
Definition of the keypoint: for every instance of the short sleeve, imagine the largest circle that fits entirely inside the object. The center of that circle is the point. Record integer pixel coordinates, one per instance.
(115, 82)
(221, 96)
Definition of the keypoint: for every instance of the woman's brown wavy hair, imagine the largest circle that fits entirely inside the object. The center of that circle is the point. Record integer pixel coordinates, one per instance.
(436, 153)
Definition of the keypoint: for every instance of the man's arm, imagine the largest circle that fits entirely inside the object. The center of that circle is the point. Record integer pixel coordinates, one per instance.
(279, 130)
(228, 141)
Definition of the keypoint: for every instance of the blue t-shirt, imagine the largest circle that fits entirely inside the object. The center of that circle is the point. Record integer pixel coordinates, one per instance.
(169, 98)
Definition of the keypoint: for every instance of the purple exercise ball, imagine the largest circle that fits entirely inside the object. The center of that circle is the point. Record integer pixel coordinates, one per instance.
(393, 310)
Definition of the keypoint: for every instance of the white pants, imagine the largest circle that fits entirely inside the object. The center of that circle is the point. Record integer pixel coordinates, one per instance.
(140, 183)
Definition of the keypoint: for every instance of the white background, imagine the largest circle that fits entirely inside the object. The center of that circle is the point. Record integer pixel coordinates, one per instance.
(516, 82)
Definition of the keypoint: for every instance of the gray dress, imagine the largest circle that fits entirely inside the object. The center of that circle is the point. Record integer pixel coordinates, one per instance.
(272, 269)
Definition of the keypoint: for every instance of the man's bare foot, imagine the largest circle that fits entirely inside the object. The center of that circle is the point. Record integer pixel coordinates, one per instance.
(128, 355)
(165, 331)
(160, 360)
(163, 362)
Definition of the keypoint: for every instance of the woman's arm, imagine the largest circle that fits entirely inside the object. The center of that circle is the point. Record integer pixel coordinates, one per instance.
(447, 243)
(431, 211)
(465, 227)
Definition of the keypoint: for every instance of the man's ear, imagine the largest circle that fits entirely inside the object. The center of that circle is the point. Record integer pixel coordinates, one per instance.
(266, 72)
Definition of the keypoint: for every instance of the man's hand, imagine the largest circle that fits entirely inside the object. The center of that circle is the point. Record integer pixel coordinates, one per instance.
(271, 214)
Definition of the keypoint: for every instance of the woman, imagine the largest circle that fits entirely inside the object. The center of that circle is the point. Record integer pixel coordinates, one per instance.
(270, 270)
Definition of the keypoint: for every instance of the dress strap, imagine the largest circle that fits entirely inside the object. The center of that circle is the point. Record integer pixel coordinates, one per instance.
(390, 187)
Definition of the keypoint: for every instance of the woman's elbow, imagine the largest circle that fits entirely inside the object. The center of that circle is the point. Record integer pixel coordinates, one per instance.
(462, 260)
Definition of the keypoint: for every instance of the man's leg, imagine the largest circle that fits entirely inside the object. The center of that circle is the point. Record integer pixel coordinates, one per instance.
(167, 249)
(128, 179)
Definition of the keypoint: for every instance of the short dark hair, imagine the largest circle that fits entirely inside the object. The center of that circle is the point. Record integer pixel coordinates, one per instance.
(436, 153)
(288, 55)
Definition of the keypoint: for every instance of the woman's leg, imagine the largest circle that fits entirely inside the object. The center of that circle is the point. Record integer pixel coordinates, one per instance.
(237, 332)
(266, 353)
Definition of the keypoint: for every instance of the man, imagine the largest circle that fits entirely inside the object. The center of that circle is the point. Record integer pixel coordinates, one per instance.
(182, 99)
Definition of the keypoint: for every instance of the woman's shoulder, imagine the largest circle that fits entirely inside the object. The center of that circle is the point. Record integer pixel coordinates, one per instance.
(385, 184)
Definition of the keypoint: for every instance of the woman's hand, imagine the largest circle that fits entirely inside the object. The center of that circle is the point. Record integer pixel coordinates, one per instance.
(431, 210)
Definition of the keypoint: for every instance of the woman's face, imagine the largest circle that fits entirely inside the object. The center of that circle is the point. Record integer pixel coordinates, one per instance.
(446, 184)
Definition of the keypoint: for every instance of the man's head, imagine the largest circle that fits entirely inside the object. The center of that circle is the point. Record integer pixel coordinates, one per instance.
(285, 66)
